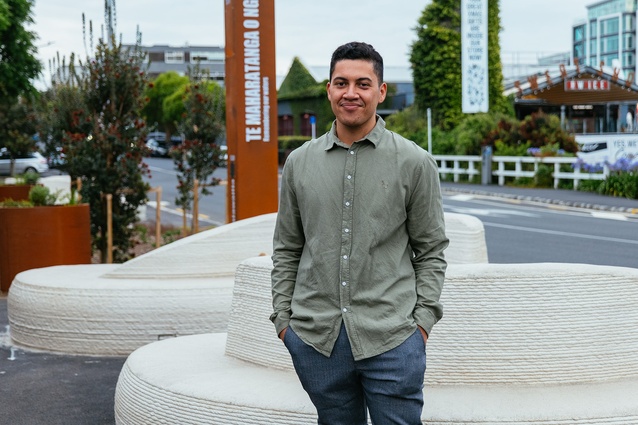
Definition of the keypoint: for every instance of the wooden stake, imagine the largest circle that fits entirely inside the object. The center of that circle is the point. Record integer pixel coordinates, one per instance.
(109, 228)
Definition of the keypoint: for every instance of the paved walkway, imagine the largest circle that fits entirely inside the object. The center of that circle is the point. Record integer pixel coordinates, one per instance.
(48, 389)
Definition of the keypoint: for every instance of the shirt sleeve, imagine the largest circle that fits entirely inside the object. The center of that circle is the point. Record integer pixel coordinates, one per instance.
(288, 243)
(426, 230)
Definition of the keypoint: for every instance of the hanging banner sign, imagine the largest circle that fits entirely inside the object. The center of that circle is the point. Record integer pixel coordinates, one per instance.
(601, 148)
(587, 85)
(251, 109)
(475, 83)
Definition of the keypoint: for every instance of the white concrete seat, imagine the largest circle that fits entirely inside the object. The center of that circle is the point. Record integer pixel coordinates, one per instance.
(519, 344)
(467, 239)
(182, 288)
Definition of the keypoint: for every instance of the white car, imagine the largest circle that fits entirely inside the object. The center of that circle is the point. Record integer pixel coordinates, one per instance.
(33, 162)
(155, 148)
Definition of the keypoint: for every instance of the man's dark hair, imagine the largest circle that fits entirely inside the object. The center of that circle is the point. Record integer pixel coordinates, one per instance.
(356, 50)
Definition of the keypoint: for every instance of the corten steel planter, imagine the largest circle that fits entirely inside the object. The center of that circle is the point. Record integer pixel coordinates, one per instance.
(42, 236)
(18, 192)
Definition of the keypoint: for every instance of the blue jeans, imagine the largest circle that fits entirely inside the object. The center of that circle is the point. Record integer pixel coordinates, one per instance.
(389, 386)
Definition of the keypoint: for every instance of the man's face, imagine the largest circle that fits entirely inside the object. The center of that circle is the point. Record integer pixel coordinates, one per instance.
(354, 93)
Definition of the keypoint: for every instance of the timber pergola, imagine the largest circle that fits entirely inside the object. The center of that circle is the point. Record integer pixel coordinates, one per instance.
(588, 100)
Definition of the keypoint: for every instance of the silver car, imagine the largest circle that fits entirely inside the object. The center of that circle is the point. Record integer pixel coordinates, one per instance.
(33, 162)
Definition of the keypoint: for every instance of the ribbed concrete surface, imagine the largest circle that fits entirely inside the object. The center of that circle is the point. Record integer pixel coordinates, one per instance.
(503, 324)
(218, 252)
(467, 239)
(212, 253)
(71, 309)
(519, 344)
(188, 380)
(182, 288)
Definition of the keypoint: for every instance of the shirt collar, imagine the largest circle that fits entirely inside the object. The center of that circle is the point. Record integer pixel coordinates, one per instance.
(373, 137)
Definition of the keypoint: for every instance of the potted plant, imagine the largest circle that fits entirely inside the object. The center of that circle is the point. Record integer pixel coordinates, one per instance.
(36, 233)
(19, 190)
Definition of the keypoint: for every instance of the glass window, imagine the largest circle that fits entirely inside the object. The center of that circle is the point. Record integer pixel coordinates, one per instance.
(207, 57)
(593, 47)
(579, 33)
(579, 50)
(629, 41)
(593, 27)
(609, 44)
(609, 26)
(174, 57)
(286, 127)
(609, 58)
(629, 59)
(629, 22)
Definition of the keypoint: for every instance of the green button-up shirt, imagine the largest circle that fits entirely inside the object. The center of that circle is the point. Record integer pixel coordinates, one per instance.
(359, 239)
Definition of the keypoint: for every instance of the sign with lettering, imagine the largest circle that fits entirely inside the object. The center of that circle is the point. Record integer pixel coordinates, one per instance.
(601, 148)
(475, 82)
(586, 85)
(251, 109)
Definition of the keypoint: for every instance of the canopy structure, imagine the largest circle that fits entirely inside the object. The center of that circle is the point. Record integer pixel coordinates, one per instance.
(589, 100)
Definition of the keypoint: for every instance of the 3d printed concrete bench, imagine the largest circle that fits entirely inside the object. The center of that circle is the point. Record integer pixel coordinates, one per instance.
(179, 289)
(519, 344)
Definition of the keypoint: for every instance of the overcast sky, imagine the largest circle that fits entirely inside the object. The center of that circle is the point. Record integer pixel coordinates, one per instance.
(310, 29)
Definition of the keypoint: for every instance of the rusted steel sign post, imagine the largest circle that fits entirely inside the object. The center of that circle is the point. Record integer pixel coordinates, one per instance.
(251, 109)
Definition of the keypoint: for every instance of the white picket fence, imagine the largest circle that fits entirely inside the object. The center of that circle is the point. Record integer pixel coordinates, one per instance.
(470, 165)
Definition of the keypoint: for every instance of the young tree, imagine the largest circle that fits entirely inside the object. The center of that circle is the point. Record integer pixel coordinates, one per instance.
(436, 62)
(95, 114)
(202, 125)
(18, 64)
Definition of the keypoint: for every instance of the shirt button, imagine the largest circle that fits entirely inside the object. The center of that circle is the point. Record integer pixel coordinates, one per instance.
(345, 257)
(347, 230)
(343, 283)
(349, 177)
(347, 203)
(351, 152)
(345, 310)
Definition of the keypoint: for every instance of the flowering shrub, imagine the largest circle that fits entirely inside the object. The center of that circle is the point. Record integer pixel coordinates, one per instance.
(94, 117)
(551, 149)
(622, 179)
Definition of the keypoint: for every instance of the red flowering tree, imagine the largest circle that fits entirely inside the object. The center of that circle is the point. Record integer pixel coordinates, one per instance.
(94, 115)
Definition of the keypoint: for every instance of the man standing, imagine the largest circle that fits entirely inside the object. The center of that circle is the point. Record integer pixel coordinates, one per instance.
(358, 256)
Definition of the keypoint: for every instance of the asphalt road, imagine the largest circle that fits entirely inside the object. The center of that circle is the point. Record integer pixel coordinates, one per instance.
(526, 232)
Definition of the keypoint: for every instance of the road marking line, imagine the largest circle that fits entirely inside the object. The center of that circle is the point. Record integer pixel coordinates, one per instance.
(609, 215)
(559, 233)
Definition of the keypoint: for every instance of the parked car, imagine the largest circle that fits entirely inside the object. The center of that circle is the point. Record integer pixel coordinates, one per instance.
(156, 148)
(34, 162)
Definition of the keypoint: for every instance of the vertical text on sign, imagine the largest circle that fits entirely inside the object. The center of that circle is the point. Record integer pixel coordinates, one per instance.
(257, 101)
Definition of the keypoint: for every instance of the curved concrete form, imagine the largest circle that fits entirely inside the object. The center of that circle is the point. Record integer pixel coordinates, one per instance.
(183, 288)
(179, 289)
(72, 309)
(519, 344)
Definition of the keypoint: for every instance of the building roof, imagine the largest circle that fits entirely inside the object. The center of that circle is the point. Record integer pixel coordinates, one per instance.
(551, 87)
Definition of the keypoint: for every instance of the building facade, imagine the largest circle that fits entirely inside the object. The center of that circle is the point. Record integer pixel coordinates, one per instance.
(164, 58)
(608, 36)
